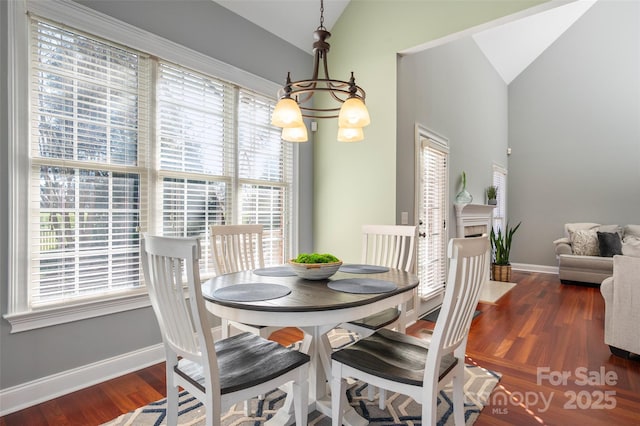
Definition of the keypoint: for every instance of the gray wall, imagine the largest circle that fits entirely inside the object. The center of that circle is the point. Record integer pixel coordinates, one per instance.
(203, 26)
(454, 91)
(574, 126)
(572, 119)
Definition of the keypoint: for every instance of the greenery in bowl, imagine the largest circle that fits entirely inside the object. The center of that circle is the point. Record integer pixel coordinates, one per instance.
(315, 266)
(315, 258)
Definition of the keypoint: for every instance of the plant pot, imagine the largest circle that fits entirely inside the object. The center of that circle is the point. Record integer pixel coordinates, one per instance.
(492, 202)
(501, 272)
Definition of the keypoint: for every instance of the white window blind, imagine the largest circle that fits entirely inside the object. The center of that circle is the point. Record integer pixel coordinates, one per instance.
(265, 174)
(87, 153)
(432, 260)
(500, 211)
(218, 148)
(195, 134)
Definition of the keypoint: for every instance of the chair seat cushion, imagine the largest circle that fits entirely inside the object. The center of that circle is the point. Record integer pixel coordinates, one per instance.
(244, 360)
(379, 320)
(392, 355)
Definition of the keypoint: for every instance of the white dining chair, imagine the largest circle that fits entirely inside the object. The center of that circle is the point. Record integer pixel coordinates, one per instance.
(237, 248)
(415, 367)
(392, 246)
(218, 373)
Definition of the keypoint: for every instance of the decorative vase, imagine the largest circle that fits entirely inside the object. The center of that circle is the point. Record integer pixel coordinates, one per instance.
(463, 196)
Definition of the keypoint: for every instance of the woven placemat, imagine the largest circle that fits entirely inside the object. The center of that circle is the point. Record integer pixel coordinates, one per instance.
(251, 292)
(362, 285)
(275, 271)
(363, 269)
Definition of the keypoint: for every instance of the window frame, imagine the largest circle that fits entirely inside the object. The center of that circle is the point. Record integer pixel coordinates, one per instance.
(500, 173)
(21, 316)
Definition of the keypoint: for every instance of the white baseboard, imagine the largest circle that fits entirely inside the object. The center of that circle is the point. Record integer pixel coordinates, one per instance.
(37, 391)
(546, 269)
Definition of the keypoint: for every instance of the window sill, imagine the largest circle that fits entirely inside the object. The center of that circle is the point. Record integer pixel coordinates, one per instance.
(48, 316)
(45, 317)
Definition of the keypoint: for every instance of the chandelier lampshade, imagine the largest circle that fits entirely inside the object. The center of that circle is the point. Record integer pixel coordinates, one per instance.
(350, 134)
(287, 114)
(353, 113)
(295, 134)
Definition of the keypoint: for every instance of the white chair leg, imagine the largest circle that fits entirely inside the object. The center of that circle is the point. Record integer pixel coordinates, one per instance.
(430, 405)
(172, 389)
(306, 343)
(247, 405)
(172, 405)
(300, 390)
(224, 328)
(371, 392)
(382, 402)
(338, 388)
(212, 408)
(458, 395)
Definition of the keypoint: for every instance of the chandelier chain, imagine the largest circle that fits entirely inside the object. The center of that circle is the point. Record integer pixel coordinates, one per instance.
(321, 27)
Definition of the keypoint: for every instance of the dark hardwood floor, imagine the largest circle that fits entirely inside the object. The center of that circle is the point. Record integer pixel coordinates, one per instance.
(531, 336)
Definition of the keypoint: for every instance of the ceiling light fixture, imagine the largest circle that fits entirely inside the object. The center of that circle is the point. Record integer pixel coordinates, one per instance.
(352, 113)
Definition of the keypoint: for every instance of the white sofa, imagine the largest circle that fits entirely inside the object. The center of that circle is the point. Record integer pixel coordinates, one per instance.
(621, 294)
(579, 254)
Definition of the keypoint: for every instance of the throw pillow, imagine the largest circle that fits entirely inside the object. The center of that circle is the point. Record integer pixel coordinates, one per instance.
(585, 243)
(631, 246)
(611, 228)
(609, 244)
(572, 228)
(632, 231)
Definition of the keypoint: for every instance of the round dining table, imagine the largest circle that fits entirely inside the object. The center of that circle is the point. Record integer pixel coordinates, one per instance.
(275, 296)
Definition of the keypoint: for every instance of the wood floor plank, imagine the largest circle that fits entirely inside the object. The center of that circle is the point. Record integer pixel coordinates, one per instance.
(540, 325)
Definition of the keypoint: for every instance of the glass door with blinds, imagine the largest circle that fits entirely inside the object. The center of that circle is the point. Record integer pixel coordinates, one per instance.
(432, 194)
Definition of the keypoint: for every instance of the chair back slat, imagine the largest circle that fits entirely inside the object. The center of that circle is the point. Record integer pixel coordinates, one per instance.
(389, 245)
(236, 248)
(468, 271)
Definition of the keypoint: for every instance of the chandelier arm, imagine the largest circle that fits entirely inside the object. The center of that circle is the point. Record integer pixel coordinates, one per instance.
(316, 64)
(332, 90)
(297, 88)
(326, 67)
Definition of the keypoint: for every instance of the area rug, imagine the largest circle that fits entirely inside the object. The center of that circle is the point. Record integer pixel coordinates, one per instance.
(401, 410)
(494, 290)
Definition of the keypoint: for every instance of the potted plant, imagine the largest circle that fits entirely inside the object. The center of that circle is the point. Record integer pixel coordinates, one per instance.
(492, 195)
(501, 246)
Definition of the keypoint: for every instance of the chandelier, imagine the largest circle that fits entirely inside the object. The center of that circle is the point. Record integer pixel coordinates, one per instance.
(351, 111)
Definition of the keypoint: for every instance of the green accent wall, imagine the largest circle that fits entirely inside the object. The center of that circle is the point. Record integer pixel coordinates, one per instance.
(355, 183)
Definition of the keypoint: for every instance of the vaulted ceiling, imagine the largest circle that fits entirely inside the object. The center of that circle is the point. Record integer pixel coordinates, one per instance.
(510, 47)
